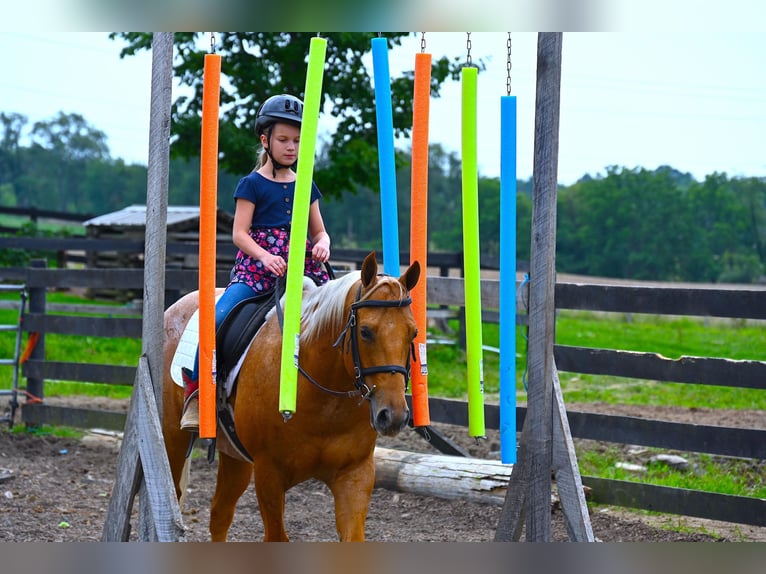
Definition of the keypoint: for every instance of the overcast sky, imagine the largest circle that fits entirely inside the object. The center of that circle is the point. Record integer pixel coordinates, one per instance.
(695, 101)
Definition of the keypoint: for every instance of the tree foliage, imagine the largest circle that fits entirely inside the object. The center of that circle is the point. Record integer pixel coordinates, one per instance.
(631, 223)
(662, 224)
(256, 65)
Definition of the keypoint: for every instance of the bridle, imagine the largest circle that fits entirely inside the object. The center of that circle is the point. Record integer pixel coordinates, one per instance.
(361, 388)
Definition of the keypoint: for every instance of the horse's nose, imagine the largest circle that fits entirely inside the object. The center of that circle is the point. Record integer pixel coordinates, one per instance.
(389, 423)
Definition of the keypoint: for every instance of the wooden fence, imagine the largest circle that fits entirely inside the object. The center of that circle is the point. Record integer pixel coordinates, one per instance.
(723, 441)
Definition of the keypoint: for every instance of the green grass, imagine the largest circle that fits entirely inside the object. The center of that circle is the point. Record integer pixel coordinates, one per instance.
(47, 430)
(738, 477)
(20, 222)
(670, 337)
(98, 350)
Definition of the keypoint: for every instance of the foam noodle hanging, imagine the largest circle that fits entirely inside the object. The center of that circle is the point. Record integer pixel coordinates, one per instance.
(299, 228)
(508, 279)
(471, 264)
(419, 232)
(208, 207)
(386, 162)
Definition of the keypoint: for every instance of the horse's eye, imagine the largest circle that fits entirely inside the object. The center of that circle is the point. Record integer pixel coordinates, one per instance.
(366, 334)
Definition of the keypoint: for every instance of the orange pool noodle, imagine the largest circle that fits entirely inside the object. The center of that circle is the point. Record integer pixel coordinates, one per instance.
(208, 206)
(419, 232)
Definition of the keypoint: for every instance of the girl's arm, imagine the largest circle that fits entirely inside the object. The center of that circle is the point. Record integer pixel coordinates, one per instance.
(240, 235)
(320, 239)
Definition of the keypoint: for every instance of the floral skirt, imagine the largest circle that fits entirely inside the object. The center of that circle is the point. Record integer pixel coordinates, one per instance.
(277, 242)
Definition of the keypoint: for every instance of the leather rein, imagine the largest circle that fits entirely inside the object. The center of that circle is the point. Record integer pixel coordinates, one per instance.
(361, 388)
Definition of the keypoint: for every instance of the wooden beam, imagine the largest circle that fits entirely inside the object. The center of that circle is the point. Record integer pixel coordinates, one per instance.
(708, 505)
(83, 326)
(655, 367)
(87, 372)
(664, 300)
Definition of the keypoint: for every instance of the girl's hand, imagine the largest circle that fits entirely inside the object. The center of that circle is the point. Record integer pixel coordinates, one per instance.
(275, 264)
(321, 251)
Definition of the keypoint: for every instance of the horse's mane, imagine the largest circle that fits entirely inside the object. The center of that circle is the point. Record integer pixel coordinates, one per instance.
(324, 308)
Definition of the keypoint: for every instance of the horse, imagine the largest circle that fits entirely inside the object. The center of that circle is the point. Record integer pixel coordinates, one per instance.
(355, 350)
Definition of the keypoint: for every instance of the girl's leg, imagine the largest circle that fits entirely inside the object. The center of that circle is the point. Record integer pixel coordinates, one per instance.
(234, 293)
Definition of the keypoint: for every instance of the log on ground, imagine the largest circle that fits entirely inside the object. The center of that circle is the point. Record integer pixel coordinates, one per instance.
(442, 476)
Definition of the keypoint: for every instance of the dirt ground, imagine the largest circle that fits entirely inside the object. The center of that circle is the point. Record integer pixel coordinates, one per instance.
(56, 489)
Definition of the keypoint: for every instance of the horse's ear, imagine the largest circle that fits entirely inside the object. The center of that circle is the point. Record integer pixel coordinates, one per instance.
(411, 276)
(369, 269)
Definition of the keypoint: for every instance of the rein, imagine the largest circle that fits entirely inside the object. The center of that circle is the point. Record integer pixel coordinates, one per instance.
(362, 389)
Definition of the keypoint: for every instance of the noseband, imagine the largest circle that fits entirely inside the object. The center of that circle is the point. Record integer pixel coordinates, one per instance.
(361, 388)
(351, 327)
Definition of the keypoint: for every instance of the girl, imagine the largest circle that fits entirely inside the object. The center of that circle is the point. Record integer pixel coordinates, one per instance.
(261, 231)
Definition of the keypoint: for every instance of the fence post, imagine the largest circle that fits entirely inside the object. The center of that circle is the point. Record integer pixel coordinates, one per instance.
(37, 298)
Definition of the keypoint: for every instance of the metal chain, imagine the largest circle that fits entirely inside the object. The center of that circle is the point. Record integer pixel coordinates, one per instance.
(423, 43)
(468, 48)
(508, 66)
(212, 42)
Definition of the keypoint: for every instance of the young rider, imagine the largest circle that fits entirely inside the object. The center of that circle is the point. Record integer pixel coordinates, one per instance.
(261, 231)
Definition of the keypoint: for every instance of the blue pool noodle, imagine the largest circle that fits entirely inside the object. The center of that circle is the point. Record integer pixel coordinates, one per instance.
(508, 279)
(386, 162)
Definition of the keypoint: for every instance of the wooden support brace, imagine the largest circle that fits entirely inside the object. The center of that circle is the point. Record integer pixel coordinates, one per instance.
(568, 480)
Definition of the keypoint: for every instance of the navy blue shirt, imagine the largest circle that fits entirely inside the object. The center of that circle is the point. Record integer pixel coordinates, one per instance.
(273, 199)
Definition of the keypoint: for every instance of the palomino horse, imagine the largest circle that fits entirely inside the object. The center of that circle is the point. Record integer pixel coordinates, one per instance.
(355, 345)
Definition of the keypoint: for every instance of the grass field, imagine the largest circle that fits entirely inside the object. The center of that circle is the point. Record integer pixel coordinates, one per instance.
(672, 337)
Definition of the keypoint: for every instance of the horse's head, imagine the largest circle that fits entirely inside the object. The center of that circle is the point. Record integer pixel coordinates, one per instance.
(385, 329)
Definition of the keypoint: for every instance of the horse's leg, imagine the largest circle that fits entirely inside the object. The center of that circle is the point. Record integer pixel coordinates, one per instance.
(271, 503)
(352, 490)
(233, 479)
(176, 440)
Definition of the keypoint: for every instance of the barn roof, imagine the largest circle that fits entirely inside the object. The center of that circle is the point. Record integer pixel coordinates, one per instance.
(135, 216)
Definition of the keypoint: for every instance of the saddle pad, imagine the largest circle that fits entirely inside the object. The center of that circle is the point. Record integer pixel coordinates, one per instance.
(187, 348)
(241, 327)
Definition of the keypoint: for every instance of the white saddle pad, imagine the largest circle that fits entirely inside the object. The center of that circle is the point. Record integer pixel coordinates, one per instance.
(187, 345)
(187, 348)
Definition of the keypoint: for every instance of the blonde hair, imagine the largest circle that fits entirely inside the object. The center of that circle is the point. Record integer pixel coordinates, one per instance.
(263, 158)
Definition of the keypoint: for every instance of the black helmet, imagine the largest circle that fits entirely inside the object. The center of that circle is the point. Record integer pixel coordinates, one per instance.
(283, 107)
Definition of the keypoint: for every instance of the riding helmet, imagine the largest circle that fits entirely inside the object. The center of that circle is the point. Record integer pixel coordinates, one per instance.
(280, 108)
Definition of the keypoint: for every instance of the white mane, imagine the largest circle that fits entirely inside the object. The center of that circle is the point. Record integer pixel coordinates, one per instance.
(324, 307)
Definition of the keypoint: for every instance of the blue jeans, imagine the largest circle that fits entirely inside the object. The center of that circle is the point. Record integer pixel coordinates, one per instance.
(234, 293)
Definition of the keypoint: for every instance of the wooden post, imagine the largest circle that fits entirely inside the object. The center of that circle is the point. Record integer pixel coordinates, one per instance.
(530, 489)
(37, 303)
(157, 209)
(131, 476)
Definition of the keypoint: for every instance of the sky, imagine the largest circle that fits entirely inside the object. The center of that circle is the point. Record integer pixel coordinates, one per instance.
(693, 100)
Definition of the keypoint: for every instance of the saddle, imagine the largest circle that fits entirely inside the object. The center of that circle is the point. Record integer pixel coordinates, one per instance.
(235, 334)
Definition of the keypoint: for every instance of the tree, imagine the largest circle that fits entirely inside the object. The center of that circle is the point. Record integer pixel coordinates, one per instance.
(10, 161)
(66, 144)
(71, 137)
(631, 223)
(257, 65)
(727, 214)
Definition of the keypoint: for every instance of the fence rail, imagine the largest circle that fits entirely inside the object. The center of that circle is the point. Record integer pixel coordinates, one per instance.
(723, 441)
